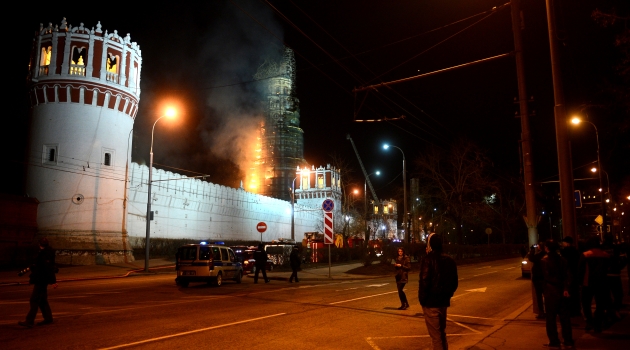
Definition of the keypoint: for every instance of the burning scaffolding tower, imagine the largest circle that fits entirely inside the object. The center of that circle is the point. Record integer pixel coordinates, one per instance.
(281, 138)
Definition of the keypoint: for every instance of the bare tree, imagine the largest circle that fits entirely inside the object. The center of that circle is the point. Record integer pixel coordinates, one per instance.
(456, 180)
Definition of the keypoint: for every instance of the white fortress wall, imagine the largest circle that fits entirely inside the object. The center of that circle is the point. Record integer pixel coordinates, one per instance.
(193, 209)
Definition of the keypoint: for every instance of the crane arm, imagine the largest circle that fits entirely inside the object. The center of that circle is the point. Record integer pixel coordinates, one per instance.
(367, 178)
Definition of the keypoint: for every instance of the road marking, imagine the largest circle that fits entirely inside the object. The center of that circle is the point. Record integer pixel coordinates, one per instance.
(464, 326)
(375, 347)
(191, 332)
(482, 290)
(487, 273)
(369, 296)
(343, 290)
(377, 285)
(484, 267)
(478, 318)
(509, 268)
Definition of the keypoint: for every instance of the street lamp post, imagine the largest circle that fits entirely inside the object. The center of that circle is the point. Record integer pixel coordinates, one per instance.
(367, 227)
(169, 113)
(293, 209)
(576, 121)
(407, 236)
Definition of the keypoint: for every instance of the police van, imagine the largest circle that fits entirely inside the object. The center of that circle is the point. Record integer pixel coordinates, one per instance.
(208, 263)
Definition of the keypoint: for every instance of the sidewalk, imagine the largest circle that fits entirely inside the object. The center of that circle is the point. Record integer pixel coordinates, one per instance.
(91, 272)
(135, 268)
(522, 330)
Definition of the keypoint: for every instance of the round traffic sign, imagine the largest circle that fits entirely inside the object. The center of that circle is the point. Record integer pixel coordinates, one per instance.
(328, 205)
(261, 227)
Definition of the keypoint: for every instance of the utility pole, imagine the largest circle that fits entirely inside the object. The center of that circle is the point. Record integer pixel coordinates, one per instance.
(531, 218)
(565, 168)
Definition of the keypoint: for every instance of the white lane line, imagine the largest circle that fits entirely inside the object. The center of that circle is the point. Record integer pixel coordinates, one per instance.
(369, 296)
(375, 347)
(483, 267)
(191, 332)
(509, 268)
(487, 273)
(479, 318)
(464, 326)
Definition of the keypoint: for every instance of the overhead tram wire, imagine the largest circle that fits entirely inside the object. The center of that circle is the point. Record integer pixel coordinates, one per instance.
(434, 131)
(492, 12)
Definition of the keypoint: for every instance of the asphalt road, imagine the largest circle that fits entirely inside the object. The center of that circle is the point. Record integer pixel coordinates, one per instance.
(151, 312)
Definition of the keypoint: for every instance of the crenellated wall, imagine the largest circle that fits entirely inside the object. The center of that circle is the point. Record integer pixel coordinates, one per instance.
(195, 209)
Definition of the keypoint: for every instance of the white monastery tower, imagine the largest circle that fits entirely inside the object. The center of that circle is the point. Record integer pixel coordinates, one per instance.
(84, 87)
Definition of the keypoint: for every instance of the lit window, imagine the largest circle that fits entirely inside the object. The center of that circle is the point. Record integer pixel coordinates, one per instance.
(112, 63)
(46, 53)
(385, 209)
(320, 181)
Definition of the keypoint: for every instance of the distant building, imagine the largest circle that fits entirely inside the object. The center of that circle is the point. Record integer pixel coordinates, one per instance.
(383, 220)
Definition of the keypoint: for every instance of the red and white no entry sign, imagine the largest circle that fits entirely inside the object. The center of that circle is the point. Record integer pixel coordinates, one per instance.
(328, 228)
(261, 227)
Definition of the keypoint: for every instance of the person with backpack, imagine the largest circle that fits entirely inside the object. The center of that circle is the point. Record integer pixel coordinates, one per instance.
(438, 283)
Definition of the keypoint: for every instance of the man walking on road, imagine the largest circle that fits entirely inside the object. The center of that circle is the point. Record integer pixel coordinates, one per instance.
(42, 274)
(438, 283)
(260, 255)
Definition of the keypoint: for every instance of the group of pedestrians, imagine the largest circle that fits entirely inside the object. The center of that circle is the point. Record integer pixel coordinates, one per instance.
(565, 282)
(261, 257)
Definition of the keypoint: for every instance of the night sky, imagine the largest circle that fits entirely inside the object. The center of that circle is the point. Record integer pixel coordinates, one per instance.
(203, 55)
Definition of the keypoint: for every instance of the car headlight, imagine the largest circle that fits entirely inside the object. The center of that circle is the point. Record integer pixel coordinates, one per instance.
(246, 262)
(524, 262)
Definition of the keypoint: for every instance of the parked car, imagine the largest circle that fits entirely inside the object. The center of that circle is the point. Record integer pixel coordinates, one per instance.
(245, 255)
(206, 263)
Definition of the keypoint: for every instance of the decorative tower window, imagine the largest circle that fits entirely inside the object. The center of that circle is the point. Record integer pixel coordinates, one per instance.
(45, 60)
(108, 157)
(77, 64)
(376, 209)
(112, 68)
(49, 154)
(320, 181)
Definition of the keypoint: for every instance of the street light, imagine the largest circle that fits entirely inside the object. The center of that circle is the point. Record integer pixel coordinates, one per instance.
(405, 223)
(367, 228)
(577, 121)
(293, 208)
(170, 113)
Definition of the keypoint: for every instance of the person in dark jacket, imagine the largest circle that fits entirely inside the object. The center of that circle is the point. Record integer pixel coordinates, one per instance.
(613, 275)
(557, 283)
(538, 282)
(260, 255)
(42, 274)
(294, 260)
(402, 265)
(438, 283)
(571, 255)
(592, 269)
